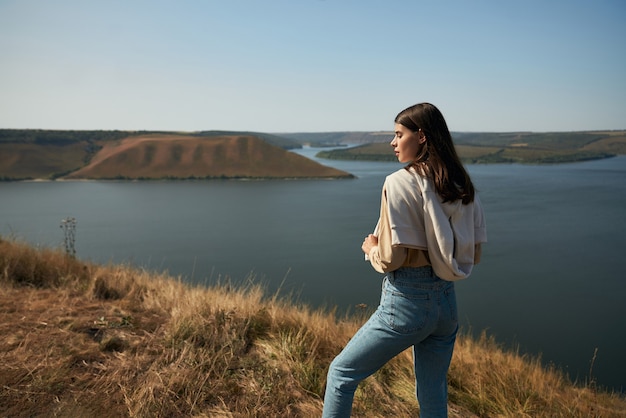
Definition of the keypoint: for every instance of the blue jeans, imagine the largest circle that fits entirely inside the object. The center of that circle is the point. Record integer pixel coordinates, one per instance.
(416, 309)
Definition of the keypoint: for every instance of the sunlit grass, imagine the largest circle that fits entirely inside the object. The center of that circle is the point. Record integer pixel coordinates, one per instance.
(92, 340)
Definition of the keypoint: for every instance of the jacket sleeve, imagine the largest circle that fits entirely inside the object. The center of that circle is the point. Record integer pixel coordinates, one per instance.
(480, 227)
(385, 257)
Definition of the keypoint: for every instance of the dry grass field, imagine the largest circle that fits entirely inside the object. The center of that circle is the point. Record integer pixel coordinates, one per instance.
(49, 155)
(614, 142)
(84, 340)
(38, 161)
(522, 147)
(158, 156)
(59, 155)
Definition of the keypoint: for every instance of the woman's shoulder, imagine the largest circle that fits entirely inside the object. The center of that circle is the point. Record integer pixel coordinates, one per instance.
(406, 176)
(403, 174)
(405, 182)
(409, 182)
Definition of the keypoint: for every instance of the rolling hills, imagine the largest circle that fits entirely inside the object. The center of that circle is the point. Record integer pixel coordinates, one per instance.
(177, 156)
(152, 155)
(142, 155)
(512, 147)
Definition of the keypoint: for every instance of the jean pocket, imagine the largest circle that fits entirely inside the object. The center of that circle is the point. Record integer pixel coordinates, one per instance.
(405, 312)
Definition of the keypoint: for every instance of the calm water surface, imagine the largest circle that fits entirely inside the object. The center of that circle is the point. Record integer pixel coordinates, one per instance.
(550, 283)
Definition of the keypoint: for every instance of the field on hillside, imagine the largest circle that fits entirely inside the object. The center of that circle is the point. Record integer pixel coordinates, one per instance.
(53, 155)
(33, 161)
(111, 341)
(50, 155)
(159, 156)
(530, 148)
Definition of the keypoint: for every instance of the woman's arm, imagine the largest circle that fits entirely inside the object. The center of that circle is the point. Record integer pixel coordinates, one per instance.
(382, 255)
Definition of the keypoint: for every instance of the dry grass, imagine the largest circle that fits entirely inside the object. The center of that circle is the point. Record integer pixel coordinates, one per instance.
(156, 156)
(615, 143)
(27, 160)
(88, 340)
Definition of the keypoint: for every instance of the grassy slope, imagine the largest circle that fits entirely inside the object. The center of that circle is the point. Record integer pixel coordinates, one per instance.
(35, 154)
(91, 340)
(181, 156)
(520, 147)
(34, 161)
(28, 154)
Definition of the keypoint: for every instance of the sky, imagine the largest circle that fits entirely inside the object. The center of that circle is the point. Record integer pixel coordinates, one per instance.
(311, 65)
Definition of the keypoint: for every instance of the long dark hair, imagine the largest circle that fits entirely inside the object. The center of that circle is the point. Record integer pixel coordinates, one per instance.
(437, 158)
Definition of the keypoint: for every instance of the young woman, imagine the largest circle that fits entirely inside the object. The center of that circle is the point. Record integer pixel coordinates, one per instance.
(428, 235)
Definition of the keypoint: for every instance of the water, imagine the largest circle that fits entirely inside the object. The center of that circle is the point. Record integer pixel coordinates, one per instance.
(550, 281)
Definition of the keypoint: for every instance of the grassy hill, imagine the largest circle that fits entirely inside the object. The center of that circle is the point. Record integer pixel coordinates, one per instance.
(46, 154)
(28, 154)
(329, 139)
(80, 339)
(41, 154)
(157, 156)
(516, 147)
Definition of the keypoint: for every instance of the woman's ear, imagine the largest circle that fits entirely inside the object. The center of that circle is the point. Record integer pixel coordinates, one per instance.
(421, 137)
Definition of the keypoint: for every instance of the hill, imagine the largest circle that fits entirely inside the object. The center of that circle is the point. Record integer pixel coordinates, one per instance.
(516, 147)
(80, 339)
(34, 154)
(41, 154)
(158, 156)
(331, 139)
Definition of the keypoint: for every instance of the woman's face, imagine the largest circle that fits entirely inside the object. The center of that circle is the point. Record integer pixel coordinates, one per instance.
(406, 143)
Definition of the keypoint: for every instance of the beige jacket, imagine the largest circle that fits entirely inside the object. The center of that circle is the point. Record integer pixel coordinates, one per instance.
(416, 229)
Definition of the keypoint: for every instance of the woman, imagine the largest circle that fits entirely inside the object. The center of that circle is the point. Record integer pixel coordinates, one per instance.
(428, 235)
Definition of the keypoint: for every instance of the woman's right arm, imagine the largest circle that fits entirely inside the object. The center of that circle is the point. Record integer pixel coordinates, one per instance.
(385, 257)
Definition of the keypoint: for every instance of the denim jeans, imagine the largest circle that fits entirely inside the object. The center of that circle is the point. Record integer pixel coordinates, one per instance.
(416, 309)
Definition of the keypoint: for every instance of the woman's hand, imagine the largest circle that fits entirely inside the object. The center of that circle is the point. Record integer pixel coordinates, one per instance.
(369, 242)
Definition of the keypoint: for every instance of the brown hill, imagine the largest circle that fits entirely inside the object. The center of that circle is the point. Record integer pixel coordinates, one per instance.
(39, 161)
(155, 156)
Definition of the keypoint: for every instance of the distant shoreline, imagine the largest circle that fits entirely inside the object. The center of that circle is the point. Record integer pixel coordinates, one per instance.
(382, 158)
(167, 179)
(502, 148)
(40, 155)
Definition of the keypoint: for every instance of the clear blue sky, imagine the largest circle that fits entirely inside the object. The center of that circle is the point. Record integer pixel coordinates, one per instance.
(311, 65)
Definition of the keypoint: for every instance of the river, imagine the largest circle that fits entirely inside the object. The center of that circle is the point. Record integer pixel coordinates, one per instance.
(550, 282)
